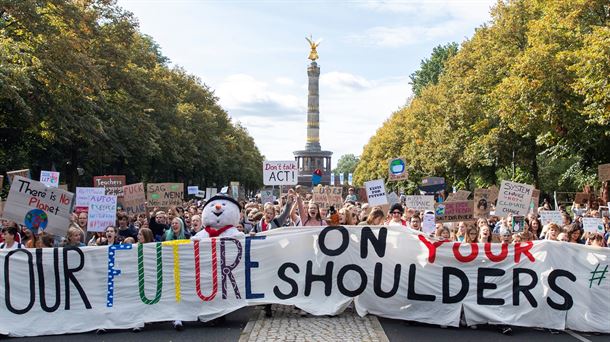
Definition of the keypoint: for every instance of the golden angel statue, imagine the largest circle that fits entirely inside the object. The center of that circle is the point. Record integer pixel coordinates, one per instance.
(313, 54)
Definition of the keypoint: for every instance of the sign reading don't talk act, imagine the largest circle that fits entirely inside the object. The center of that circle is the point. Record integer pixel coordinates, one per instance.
(514, 198)
(37, 206)
(164, 195)
(280, 172)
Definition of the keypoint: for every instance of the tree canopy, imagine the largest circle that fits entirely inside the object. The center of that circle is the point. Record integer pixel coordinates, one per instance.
(430, 69)
(346, 164)
(81, 87)
(533, 84)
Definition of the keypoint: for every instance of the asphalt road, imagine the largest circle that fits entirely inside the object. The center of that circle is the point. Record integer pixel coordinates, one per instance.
(395, 330)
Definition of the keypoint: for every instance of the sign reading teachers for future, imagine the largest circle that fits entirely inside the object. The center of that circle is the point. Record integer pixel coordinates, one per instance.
(112, 184)
(386, 271)
(102, 213)
(375, 192)
(280, 172)
(514, 198)
(37, 206)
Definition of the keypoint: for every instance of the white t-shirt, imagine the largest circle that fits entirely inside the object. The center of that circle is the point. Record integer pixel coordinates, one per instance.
(16, 245)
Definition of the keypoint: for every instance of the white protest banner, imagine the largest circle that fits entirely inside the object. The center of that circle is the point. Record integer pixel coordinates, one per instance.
(134, 199)
(102, 213)
(267, 196)
(397, 169)
(375, 192)
(113, 184)
(481, 203)
(83, 195)
(49, 178)
(25, 173)
(420, 202)
(533, 284)
(514, 198)
(593, 225)
(603, 172)
(428, 223)
(192, 189)
(551, 216)
(35, 205)
(280, 172)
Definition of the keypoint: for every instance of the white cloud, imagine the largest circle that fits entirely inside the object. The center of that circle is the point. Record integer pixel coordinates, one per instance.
(463, 10)
(342, 80)
(285, 81)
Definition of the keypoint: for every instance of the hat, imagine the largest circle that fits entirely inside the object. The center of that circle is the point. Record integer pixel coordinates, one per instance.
(223, 197)
(397, 206)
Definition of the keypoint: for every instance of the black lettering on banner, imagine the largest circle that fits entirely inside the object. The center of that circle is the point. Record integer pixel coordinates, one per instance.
(341, 277)
(378, 276)
(344, 240)
(326, 278)
(41, 282)
(482, 286)
(379, 243)
(568, 301)
(281, 273)
(411, 294)
(7, 282)
(525, 289)
(465, 285)
(70, 278)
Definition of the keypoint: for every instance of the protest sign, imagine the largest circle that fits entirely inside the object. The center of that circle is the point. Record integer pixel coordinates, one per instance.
(341, 178)
(460, 195)
(432, 184)
(428, 223)
(420, 202)
(102, 213)
(267, 196)
(37, 206)
(481, 203)
(2, 208)
(325, 196)
(593, 225)
(604, 212)
(493, 193)
(25, 173)
(1, 181)
(393, 198)
(200, 194)
(210, 192)
(134, 199)
(518, 224)
(375, 192)
(583, 198)
(534, 202)
(332, 179)
(350, 179)
(454, 211)
(112, 184)
(164, 195)
(280, 172)
(234, 189)
(386, 271)
(397, 169)
(192, 190)
(514, 198)
(603, 172)
(49, 178)
(83, 195)
(551, 216)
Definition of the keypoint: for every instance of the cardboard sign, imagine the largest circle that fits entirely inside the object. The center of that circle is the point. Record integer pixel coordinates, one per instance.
(514, 198)
(192, 190)
(25, 173)
(583, 198)
(603, 172)
(460, 195)
(210, 192)
(267, 196)
(454, 211)
(375, 192)
(593, 225)
(481, 203)
(83, 195)
(49, 178)
(102, 213)
(134, 199)
(325, 196)
(37, 206)
(420, 203)
(112, 184)
(164, 195)
(534, 202)
(551, 216)
(280, 172)
(397, 169)
(493, 193)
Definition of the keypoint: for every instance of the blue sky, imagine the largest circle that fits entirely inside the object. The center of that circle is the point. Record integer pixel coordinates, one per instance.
(253, 54)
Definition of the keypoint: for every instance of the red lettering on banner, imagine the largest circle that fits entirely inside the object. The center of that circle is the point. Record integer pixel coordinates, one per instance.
(496, 258)
(474, 251)
(525, 250)
(431, 247)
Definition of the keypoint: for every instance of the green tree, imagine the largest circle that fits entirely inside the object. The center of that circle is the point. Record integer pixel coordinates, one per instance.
(346, 164)
(431, 68)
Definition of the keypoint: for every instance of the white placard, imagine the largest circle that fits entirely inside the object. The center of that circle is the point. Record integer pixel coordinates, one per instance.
(393, 198)
(32, 203)
(267, 196)
(102, 213)
(428, 223)
(593, 225)
(192, 190)
(280, 172)
(514, 198)
(375, 192)
(83, 195)
(551, 216)
(49, 178)
(420, 202)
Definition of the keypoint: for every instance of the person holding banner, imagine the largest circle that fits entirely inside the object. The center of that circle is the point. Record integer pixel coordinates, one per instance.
(313, 216)
(9, 233)
(111, 237)
(177, 231)
(396, 219)
(472, 235)
(74, 238)
(145, 235)
(574, 232)
(375, 218)
(158, 223)
(269, 221)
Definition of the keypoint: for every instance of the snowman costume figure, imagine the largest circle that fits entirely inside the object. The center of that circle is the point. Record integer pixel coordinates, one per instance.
(220, 218)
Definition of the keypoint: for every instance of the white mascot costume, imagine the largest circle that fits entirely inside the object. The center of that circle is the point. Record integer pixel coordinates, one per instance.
(220, 218)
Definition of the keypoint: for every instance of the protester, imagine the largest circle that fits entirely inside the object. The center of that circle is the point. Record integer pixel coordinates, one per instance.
(74, 238)
(177, 231)
(145, 235)
(395, 216)
(9, 233)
